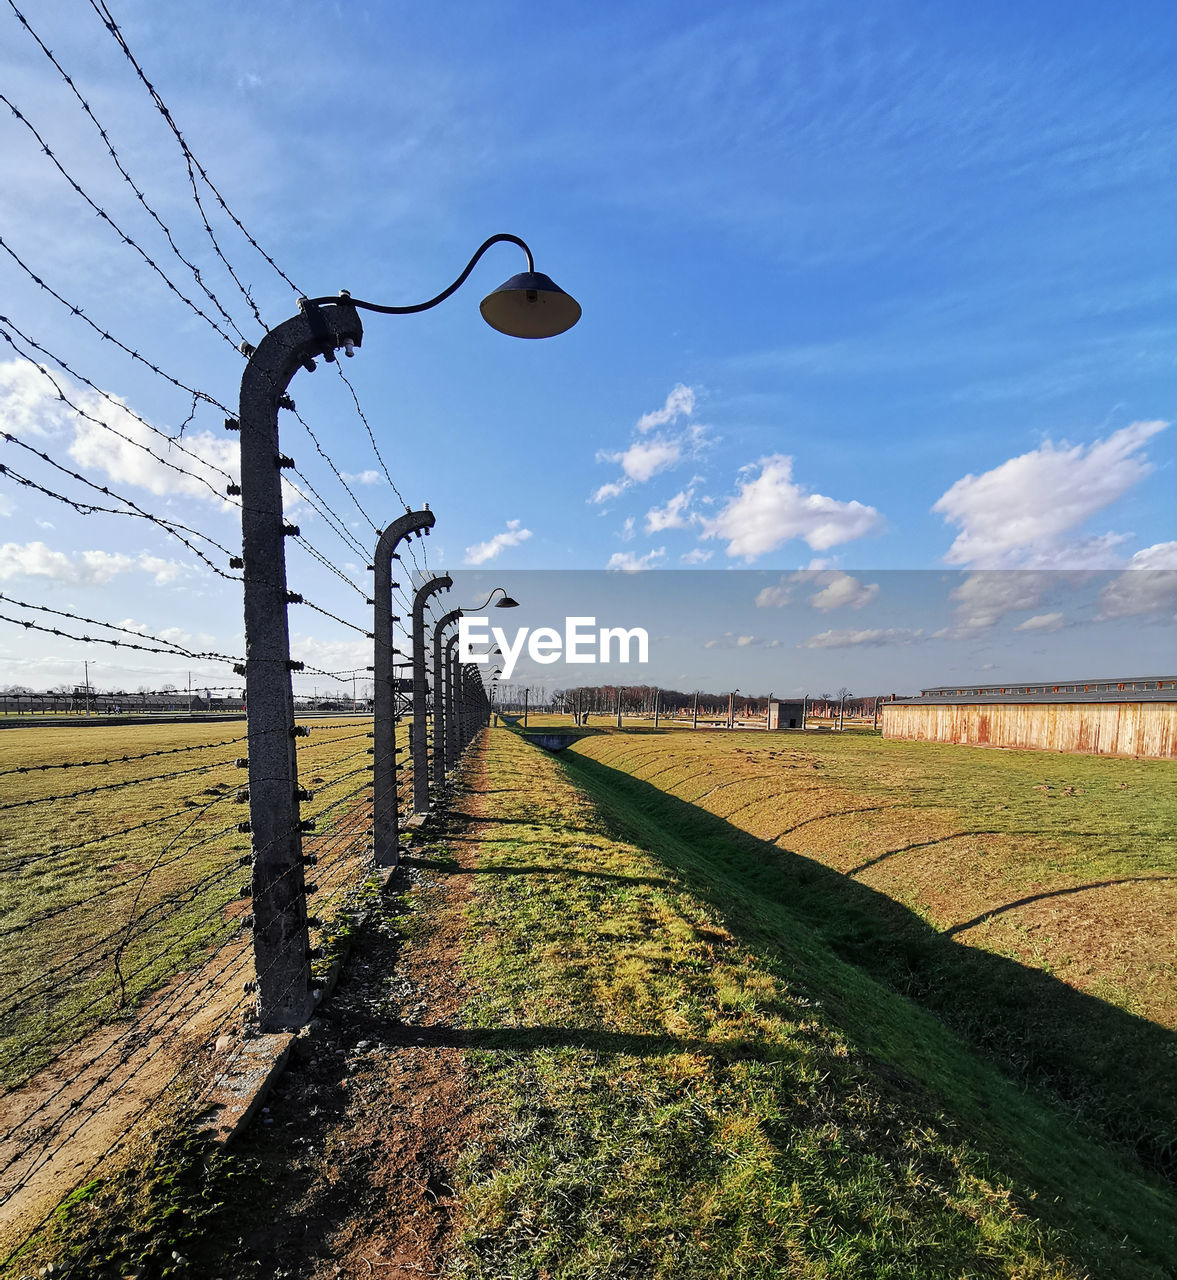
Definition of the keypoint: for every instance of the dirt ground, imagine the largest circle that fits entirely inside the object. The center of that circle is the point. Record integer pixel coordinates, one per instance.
(355, 1150)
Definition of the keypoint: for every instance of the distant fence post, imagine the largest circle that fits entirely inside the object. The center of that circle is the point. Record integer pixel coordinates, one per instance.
(385, 815)
(281, 945)
(619, 708)
(526, 691)
(440, 743)
(657, 702)
(804, 711)
(453, 702)
(420, 709)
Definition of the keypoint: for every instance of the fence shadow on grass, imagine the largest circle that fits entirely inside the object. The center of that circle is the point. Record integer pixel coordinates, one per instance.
(1110, 1067)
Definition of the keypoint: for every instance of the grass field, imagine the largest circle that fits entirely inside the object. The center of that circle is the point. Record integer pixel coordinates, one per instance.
(1027, 899)
(688, 1079)
(106, 895)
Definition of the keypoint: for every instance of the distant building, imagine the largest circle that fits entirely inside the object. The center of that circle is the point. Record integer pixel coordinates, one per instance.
(786, 715)
(1120, 716)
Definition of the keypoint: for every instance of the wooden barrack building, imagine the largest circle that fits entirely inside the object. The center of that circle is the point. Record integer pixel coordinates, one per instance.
(1127, 716)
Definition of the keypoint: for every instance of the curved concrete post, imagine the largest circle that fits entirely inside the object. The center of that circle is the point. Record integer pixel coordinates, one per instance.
(280, 943)
(420, 712)
(440, 745)
(385, 817)
(453, 729)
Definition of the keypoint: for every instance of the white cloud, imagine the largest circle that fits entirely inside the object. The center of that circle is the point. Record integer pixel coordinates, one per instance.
(776, 597)
(30, 406)
(631, 562)
(627, 530)
(772, 508)
(1021, 512)
(732, 640)
(1147, 585)
(645, 458)
(697, 556)
(648, 456)
(363, 477)
(841, 590)
(848, 639)
(1041, 622)
(680, 403)
(672, 516)
(607, 491)
(83, 569)
(481, 552)
(984, 598)
(836, 590)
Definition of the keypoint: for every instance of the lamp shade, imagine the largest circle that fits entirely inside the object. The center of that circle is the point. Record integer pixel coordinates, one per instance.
(506, 603)
(530, 305)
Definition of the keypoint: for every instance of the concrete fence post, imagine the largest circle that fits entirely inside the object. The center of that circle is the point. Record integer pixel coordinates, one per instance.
(453, 748)
(440, 744)
(420, 691)
(385, 815)
(281, 946)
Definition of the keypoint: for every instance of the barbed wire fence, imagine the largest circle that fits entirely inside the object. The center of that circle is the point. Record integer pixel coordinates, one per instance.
(143, 913)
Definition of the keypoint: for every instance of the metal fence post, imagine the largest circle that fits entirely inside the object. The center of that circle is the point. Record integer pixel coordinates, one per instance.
(440, 743)
(385, 815)
(420, 710)
(280, 943)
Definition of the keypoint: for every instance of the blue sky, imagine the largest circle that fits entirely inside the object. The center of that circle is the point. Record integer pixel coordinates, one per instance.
(865, 288)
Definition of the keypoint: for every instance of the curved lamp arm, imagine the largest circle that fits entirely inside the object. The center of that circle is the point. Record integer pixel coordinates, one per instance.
(505, 603)
(528, 305)
(501, 238)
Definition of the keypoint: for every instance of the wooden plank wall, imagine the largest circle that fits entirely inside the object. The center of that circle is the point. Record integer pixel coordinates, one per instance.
(1098, 728)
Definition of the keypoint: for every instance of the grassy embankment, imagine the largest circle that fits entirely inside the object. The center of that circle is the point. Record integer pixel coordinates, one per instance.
(688, 1078)
(1028, 899)
(89, 931)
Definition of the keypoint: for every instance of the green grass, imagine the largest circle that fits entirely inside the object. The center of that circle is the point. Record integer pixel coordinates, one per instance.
(97, 928)
(684, 1078)
(891, 847)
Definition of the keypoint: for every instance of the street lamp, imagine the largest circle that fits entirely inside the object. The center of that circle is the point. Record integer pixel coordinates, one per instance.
(505, 603)
(528, 305)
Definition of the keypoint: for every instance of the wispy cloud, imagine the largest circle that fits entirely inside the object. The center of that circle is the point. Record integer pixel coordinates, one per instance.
(733, 640)
(1147, 586)
(82, 568)
(512, 536)
(1041, 622)
(872, 637)
(1026, 511)
(673, 515)
(650, 455)
(631, 562)
(679, 403)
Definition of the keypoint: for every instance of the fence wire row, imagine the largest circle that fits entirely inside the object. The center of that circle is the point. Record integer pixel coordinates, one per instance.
(177, 861)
